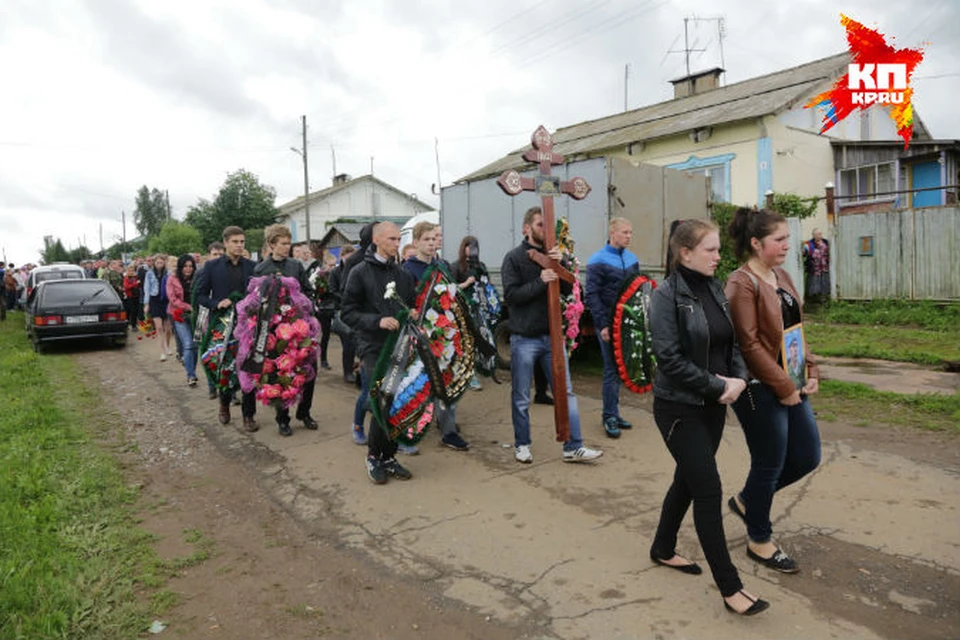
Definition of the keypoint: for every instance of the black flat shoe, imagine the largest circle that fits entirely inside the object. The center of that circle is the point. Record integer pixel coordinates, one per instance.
(779, 561)
(309, 422)
(755, 608)
(285, 429)
(732, 503)
(692, 569)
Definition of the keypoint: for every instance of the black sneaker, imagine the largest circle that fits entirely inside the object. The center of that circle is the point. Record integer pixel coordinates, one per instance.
(542, 398)
(376, 471)
(309, 422)
(394, 470)
(285, 429)
(455, 442)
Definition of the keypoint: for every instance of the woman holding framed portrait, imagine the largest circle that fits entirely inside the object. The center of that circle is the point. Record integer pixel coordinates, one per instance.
(774, 412)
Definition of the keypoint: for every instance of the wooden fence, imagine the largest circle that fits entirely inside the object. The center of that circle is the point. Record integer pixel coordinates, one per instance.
(908, 253)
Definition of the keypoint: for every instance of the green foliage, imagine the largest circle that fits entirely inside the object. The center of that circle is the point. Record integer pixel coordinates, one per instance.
(241, 201)
(71, 551)
(151, 211)
(862, 404)
(722, 214)
(175, 239)
(793, 206)
(53, 251)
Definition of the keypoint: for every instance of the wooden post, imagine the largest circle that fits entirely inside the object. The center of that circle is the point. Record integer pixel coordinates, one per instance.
(548, 186)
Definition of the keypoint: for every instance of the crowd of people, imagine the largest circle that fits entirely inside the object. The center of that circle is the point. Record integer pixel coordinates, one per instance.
(715, 347)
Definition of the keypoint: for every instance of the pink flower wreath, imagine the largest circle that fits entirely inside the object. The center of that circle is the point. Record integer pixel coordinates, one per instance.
(291, 348)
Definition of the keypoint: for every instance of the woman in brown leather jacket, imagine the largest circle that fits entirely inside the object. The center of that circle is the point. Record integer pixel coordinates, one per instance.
(776, 417)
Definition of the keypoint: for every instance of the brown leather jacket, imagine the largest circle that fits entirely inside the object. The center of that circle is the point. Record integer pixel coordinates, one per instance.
(759, 323)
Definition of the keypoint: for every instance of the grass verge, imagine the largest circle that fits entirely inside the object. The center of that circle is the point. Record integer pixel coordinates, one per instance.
(71, 555)
(923, 314)
(922, 346)
(862, 405)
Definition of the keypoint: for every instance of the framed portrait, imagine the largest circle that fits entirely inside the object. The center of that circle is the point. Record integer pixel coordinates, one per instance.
(794, 360)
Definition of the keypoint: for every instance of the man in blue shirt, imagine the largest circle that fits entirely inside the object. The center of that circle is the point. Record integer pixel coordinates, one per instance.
(606, 271)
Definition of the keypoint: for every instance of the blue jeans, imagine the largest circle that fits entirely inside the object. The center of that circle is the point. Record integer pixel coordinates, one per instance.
(185, 333)
(611, 382)
(525, 353)
(784, 445)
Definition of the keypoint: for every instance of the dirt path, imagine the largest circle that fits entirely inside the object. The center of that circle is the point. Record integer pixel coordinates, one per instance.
(477, 546)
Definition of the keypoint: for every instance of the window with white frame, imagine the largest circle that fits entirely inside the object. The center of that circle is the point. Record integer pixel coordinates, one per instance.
(867, 181)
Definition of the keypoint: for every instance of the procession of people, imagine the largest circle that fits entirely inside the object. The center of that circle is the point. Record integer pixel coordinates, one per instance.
(417, 331)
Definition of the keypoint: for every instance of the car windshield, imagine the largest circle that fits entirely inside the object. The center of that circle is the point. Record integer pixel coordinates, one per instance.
(74, 292)
(66, 274)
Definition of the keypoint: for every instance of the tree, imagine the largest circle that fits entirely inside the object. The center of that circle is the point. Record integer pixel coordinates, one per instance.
(53, 251)
(241, 201)
(151, 211)
(176, 238)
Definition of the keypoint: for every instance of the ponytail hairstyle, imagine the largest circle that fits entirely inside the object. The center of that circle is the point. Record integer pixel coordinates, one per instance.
(687, 234)
(748, 224)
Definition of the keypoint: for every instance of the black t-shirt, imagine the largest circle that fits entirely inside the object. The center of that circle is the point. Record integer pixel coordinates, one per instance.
(721, 331)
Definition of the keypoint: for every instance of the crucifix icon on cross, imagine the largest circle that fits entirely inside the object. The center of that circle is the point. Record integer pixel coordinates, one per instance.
(547, 187)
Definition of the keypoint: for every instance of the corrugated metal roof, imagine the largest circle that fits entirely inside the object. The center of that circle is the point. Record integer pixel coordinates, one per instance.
(744, 100)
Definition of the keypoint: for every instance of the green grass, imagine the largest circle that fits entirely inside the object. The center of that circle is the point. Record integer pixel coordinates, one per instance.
(860, 404)
(922, 314)
(922, 346)
(71, 555)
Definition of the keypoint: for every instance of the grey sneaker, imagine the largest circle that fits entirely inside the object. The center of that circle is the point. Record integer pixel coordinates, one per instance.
(408, 449)
(583, 454)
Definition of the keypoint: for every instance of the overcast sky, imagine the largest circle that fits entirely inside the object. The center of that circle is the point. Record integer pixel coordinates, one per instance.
(103, 96)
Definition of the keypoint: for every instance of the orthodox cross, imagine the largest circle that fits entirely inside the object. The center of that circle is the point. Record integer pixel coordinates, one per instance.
(548, 186)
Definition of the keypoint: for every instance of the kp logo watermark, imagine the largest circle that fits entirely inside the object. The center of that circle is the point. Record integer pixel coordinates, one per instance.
(879, 75)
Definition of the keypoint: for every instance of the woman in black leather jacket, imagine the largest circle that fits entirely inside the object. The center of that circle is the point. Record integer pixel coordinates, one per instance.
(699, 372)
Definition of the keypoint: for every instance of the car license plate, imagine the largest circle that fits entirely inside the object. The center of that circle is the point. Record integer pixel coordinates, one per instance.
(80, 319)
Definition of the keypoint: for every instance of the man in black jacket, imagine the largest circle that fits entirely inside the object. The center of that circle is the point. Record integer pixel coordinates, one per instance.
(525, 291)
(372, 318)
(228, 274)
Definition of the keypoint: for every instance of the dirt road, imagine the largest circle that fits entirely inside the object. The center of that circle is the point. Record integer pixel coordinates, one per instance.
(479, 546)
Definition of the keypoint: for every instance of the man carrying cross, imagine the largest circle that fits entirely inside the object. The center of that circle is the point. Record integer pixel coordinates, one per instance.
(525, 289)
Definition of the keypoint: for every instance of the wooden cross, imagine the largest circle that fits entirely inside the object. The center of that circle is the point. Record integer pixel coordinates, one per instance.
(548, 186)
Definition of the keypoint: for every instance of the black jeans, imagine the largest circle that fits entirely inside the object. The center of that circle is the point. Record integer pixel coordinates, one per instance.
(325, 321)
(349, 354)
(303, 407)
(133, 309)
(248, 403)
(379, 445)
(692, 435)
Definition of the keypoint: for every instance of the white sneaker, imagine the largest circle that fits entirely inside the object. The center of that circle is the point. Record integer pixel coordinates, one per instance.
(523, 454)
(583, 454)
(163, 357)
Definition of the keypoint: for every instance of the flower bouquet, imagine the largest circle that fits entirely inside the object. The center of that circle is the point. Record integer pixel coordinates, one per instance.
(632, 345)
(571, 306)
(401, 398)
(146, 329)
(446, 323)
(277, 340)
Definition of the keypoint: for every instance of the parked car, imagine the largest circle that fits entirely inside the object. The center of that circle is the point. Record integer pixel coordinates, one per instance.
(72, 309)
(58, 271)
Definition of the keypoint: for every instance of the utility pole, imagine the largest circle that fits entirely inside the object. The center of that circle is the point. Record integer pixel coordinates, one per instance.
(626, 80)
(306, 180)
(101, 238)
(123, 221)
(306, 176)
(333, 155)
(169, 212)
